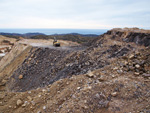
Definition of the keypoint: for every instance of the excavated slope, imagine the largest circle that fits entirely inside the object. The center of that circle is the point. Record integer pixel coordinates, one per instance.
(45, 65)
(111, 75)
(121, 86)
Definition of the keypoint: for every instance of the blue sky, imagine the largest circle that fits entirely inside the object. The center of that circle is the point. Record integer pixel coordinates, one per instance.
(83, 14)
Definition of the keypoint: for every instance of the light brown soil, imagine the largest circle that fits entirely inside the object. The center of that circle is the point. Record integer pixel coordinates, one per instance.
(41, 42)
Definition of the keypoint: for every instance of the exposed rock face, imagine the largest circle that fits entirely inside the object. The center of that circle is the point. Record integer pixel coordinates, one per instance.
(128, 35)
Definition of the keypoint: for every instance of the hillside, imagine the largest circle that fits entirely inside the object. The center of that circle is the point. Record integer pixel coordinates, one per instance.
(75, 37)
(110, 73)
(17, 35)
(79, 38)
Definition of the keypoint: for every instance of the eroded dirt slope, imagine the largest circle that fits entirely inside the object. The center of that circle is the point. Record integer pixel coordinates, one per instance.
(118, 87)
(111, 75)
(48, 65)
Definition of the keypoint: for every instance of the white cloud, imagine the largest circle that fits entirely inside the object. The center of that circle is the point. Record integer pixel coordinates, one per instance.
(74, 13)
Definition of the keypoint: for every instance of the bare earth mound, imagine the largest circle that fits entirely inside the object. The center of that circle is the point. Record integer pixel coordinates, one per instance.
(111, 74)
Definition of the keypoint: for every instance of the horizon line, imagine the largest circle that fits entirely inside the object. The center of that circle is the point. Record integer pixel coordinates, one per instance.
(61, 28)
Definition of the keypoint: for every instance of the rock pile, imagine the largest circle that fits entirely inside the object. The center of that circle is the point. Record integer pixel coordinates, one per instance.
(138, 63)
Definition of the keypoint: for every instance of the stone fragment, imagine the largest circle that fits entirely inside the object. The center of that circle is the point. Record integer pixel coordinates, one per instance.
(3, 83)
(78, 88)
(125, 62)
(115, 68)
(113, 75)
(2, 96)
(90, 74)
(48, 89)
(87, 63)
(114, 94)
(19, 102)
(29, 92)
(29, 98)
(101, 78)
(44, 107)
(33, 103)
(89, 87)
(85, 107)
(131, 56)
(1, 103)
(97, 74)
(124, 57)
(137, 53)
(136, 73)
(20, 76)
(146, 75)
(97, 95)
(137, 66)
(119, 71)
(25, 103)
(43, 90)
(103, 104)
(30, 59)
(131, 68)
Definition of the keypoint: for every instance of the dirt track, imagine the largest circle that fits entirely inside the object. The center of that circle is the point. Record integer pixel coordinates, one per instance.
(65, 45)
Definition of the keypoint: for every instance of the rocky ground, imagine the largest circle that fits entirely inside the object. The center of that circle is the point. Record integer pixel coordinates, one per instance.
(108, 74)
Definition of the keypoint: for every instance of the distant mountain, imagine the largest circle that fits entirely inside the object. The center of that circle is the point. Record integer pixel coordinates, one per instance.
(11, 34)
(84, 35)
(75, 37)
(26, 35)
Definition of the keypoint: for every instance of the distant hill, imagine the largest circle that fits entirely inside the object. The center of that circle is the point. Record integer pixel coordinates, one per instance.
(16, 35)
(75, 37)
(84, 35)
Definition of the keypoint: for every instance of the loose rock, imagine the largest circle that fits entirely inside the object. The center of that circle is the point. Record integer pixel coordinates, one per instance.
(90, 74)
(101, 78)
(2, 96)
(137, 66)
(146, 75)
(44, 107)
(25, 103)
(114, 94)
(19, 102)
(29, 98)
(78, 88)
(131, 56)
(20, 76)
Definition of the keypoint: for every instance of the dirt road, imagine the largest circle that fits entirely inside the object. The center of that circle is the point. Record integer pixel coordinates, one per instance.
(65, 45)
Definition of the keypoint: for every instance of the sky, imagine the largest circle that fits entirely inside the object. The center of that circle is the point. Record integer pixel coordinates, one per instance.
(75, 14)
